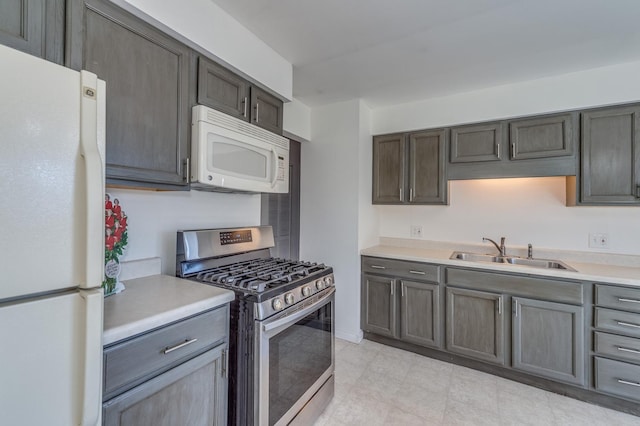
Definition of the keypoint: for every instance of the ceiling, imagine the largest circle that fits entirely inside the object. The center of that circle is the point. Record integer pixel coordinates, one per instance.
(390, 52)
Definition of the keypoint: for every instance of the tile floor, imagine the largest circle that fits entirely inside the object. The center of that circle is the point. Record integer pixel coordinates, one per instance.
(381, 385)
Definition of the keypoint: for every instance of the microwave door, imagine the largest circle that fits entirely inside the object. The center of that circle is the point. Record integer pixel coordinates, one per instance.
(238, 165)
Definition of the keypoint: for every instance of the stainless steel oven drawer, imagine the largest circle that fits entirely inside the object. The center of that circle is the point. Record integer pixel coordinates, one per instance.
(136, 360)
(401, 269)
(626, 348)
(624, 298)
(617, 321)
(617, 378)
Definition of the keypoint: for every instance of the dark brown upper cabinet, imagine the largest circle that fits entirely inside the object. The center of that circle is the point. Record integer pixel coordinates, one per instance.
(610, 156)
(148, 93)
(223, 90)
(410, 168)
(35, 27)
(523, 147)
(543, 137)
(476, 143)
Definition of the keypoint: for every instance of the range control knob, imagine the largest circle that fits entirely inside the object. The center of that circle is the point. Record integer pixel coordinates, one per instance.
(319, 284)
(277, 304)
(306, 290)
(328, 281)
(288, 298)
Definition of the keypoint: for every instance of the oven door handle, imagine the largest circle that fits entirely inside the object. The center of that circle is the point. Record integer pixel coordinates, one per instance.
(299, 314)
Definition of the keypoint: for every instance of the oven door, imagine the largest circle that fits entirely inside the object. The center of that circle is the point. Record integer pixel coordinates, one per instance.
(294, 358)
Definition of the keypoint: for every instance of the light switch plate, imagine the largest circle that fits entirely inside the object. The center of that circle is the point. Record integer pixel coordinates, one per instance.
(416, 231)
(598, 240)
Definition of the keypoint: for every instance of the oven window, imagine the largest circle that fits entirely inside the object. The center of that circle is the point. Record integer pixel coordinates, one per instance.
(298, 356)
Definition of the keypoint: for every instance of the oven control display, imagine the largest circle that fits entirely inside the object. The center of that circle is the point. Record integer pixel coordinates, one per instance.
(235, 237)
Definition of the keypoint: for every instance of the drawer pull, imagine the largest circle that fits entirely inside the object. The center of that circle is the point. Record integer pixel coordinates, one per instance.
(418, 272)
(378, 267)
(628, 324)
(633, 351)
(181, 345)
(621, 299)
(625, 382)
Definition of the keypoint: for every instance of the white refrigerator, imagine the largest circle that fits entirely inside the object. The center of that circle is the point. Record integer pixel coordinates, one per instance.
(52, 129)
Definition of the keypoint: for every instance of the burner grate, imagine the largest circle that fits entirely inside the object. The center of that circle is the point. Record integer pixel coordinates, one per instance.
(260, 274)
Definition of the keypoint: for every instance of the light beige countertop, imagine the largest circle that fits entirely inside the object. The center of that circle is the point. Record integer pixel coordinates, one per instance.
(594, 267)
(154, 301)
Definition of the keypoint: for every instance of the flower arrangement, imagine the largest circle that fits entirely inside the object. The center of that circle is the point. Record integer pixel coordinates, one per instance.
(115, 241)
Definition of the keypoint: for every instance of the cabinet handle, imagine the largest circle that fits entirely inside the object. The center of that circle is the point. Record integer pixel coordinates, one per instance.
(378, 267)
(628, 324)
(187, 170)
(257, 112)
(623, 349)
(410, 194)
(625, 382)
(402, 290)
(417, 272)
(498, 149)
(513, 150)
(181, 345)
(621, 299)
(223, 370)
(244, 112)
(401, 195)
(500, 306)
(392, 286)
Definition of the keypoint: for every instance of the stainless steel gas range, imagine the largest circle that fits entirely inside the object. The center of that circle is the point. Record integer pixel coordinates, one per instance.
(282, 344)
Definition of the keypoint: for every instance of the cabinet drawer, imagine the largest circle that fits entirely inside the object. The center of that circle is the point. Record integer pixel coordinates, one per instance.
(627, 299)
(617, 321)
(517, 285)
(133, 361)
(618, 378)
(401, 269)
(626, 348)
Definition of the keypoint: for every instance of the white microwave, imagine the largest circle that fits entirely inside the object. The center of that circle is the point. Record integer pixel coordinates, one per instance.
(231, 155)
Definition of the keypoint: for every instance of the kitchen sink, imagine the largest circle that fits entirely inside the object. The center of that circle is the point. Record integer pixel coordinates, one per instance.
(512, 260)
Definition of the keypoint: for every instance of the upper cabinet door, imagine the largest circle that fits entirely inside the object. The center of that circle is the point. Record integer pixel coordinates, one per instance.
(220, 89)
(266, 110)
(427, 179)
(34, 26)
(610, 156)
(542, 137)
(388, 169)
(147, 75)
(478, 142)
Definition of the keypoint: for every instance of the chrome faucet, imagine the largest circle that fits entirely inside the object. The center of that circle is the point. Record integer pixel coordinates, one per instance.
(501, 248)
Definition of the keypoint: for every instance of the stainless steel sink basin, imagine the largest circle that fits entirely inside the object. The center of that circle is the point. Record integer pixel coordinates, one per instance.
(539, 263)
(474, 257)
(512, 260)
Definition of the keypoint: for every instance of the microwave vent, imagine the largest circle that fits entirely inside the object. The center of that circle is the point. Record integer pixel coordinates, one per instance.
(232, 123)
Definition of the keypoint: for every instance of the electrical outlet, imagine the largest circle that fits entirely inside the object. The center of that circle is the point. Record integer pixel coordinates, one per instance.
(416, 231)
(597, 240)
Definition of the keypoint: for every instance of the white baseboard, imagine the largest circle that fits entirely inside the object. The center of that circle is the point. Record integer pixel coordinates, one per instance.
(350, 335)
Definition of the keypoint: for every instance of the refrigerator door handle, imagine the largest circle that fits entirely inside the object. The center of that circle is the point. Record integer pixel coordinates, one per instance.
(93, 178)
(92, 352)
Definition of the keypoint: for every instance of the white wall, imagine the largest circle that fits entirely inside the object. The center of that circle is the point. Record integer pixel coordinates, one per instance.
(329, 204)
(297, 120)
(213, 29)
(529, 210)
(154, 218)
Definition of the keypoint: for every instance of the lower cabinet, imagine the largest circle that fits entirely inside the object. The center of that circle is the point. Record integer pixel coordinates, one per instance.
(173, 375)
(407, 310)
(194, 393)
(548, 339)
(379, 305)
(475, 324)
